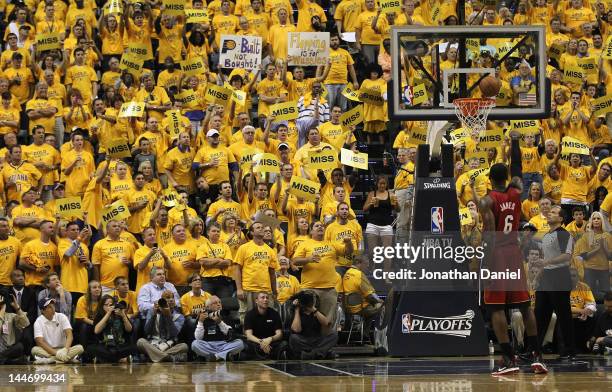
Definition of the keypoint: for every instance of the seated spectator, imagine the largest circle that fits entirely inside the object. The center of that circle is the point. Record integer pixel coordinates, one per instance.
(162, 327)
(359, 295)
(192, 304)
(307, 340)
(263, 331)
(213, 338)
(601, 338)
(85, 311)
(54, 289)
(112, 330)
(583, 309)
(11, 326)
(27, 301)
(150, 293)
(53, 336)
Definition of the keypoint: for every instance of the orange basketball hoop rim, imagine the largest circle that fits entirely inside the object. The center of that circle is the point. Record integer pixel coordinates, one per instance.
(473, 112)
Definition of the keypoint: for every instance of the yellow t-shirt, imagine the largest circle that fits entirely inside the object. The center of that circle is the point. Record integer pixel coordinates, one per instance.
(23, 176)
(269, 88)
(219, 173)
(81, 312)
(9, 255)
(107, 254)
(47, 155)
(179, 253)
(338, 71)
(223, 24)
(334, 134)
(8, 114)
(39, 254)
(541, 224)
(575, 182)
(190, 302)
(337, 232)
(78, 179)
(278, 38)
(26, 234)
(46, 122)
(143, 276)
(530, 159)
(82, 78)
(229, 206)
(286, 286)
(598, 261)
(405, 176)
(255, 262)
(179, 164)
(320, 275)
(219, 250)
(139, 220)
(352, 282)
(530, 208)
(74, 274)
(364, 24)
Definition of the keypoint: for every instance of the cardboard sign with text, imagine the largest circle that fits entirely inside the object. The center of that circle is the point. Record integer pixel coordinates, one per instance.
(569, 145)
(132, 109)
(324, 159)
(303, 188)
(419, 94)
(193, 67)
(465, 216)
(351, 94)
(491, 138)
(284, 111)
(307, 49)
(265, 163)
(602, 105)
(47, 41)
(118, 148)
(69, 207)
(116, 211)
(217, 94)
(350, 158)
(240, 51)
(352, 117)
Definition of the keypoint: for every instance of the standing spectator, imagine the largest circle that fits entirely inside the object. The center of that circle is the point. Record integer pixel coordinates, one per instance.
(278, 34)
(77, 166)
(404, 190)
(213, 338)
(380, 206)
(148, 256)
(182, 254)
(263, 330)
(336, 73)
(287, 285)
(27, 217)
(162, 327)
(10, 247)
(313, 110)
(18, 175)
(215, 257)
(74, 259)
(53, 336)
(54, 289)
(368, 40)
(39, 256)
(111, 257)
(594, 250)
(255, 265)
(553, 293)
(178, 165)
(112, 329)
(308, 340)
(11, 324)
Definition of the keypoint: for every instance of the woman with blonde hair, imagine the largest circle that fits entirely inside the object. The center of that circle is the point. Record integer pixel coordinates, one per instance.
(531, 205)
(196, 229)
(593, 250)
(231, 233)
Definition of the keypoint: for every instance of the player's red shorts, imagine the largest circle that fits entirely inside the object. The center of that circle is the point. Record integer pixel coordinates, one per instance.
(506, 291)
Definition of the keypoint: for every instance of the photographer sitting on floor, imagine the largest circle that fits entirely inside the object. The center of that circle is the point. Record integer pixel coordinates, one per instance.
(213, 338)
(306, 340)
(112, 329)
(162, 329)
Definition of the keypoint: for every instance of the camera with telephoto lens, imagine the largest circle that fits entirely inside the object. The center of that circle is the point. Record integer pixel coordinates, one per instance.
(121, 305)
(305, 299)
(162, 303)
(213, 313)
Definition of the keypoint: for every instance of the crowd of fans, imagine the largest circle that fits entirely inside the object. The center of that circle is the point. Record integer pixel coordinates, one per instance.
(217, 259)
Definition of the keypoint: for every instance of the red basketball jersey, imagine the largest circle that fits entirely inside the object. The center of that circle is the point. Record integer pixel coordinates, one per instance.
(507, 211)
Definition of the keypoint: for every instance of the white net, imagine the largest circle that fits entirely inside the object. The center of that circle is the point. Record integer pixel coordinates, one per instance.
(473, 112)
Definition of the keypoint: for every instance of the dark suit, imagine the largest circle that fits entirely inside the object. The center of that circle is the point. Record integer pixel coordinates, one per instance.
(29, 304)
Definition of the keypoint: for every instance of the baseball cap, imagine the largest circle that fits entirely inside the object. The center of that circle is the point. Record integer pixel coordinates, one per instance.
(528, 226)
(212, 133)
(43, 303)
(282, 146)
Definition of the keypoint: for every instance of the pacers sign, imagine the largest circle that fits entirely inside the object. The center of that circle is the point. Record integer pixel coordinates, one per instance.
(240, 51)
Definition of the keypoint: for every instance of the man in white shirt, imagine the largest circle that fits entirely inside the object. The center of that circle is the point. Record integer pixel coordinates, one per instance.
(53, 336)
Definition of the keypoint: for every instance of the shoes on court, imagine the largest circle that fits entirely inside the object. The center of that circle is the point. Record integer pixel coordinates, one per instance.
(538, 366)
(506, 366)
(43, 361)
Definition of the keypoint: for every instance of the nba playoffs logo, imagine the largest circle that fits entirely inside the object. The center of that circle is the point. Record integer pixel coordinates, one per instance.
(437, 220)
(458, 326)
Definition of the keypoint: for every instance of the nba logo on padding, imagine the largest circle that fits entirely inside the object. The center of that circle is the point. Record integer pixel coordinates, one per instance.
(437, 220)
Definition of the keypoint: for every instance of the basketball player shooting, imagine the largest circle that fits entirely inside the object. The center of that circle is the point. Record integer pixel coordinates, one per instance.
(501, 212)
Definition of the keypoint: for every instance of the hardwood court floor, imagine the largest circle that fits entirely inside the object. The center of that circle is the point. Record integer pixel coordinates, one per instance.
(350, 375)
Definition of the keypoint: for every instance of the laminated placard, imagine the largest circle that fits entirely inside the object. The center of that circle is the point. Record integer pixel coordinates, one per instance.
(132, 63)
(324, 159)
(169, 197)
(132, 109)
(174, 123)
(140, 51)
(602, 105)
(303, 188)
(196, 16)
(69, 207)
(569, 145)
(419, 94)
(186, 97)
(351, 94)
(284, 111)
(217, 94)
(573, 74)
(371, 96)
(265, 163)
(606, 53)
(352, 117)
(417, 136)
(390, 6)
(491, 138)
(556, 50)
(193, 66)
(525, 126)
(174, 7)
(118, 148)
(482, 157)
(354, 159)
(116, 211)
(47, 41)
(475, 173)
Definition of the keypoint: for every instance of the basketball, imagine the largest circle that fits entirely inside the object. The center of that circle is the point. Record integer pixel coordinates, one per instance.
(489, 86)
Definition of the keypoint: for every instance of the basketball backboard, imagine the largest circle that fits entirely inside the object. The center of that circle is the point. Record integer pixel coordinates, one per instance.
(432, 66)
